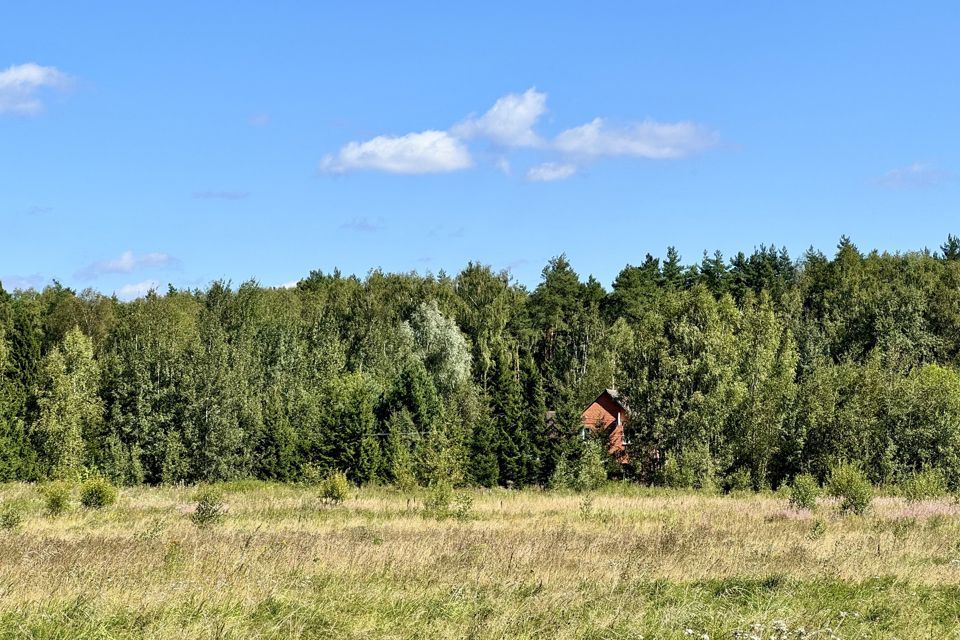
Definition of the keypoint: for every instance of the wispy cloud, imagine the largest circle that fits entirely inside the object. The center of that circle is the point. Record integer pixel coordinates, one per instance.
(32, 281)
(510, 125)
(36, 210)
(136, 289)
(21, 87)
(509, 122)
(126, 263)
(221, 195)
(516, 264)
(424, 152)
(259, 120)
(362, 224)
(551, 171)
(647, 139)
(918, 175)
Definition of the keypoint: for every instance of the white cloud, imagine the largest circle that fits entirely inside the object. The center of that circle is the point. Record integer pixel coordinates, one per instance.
(20, 87)
(510, 124)
(259, 120)
(509, 121)
(550, 171)
(424, 152)
(362, 224)
(647, 139)
(126, 263)
(12, 282)
(289, 285)
(916, 176)
(136, 289)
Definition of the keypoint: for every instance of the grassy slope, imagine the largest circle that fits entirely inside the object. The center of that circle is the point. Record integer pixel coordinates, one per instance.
(633, 563)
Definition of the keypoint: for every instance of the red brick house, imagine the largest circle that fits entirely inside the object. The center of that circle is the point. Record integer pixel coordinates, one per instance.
(607, 415)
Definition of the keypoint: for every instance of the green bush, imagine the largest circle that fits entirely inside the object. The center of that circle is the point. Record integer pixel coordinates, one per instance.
(97, 493)
(462, 508)
(210, 507)
(740, 480)
(562, 477)
(335, 488)
(310, 474)
(849, 483)
(56, 497)
(690, 468)
(674, 473)
(11, 515)
(591, 467)
(927, 484)
(804, 492)
(437, 502)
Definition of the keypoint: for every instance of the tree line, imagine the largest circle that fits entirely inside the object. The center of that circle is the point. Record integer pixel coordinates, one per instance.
(737, 372)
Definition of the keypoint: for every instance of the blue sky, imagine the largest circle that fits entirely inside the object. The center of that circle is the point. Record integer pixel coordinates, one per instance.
(186, 142)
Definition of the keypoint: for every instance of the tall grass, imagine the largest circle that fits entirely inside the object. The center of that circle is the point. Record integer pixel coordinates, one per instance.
(524, 564)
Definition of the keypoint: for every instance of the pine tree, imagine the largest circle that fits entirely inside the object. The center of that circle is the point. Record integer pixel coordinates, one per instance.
(484, 468)
(370, 462)
(513, 442)
(950, 250)
(399, 466)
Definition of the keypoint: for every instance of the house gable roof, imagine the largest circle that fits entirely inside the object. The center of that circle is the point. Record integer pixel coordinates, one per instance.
(615, 396)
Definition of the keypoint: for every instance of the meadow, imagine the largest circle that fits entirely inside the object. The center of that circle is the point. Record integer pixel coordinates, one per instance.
(622, 562)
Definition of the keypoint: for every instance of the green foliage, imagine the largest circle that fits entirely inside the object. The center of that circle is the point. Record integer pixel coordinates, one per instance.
(311, 474)
(57, 496)
(334, 489)
(69, 404)
(462, 506)
(804, 492)
(924, 485)
(399, 463)
(740, 480)
(848, 483)
(756, 366)
(11, 515)
(210, 507)
(591, 469)
(97, 492)
(688, 469)
(562, 476)
(438, 500)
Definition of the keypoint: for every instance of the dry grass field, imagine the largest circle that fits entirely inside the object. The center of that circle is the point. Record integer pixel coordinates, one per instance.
(625, 562)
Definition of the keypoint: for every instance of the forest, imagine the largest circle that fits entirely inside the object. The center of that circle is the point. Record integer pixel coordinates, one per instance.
(740, 372)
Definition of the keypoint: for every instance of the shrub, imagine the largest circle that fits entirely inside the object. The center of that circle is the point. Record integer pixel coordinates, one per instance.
(740, 480)
(586, 507)
(210, 507)
(97, 493)
(929, 483)
(561, 478)
(310, 474)
(437, 503)
(462, 506)
(804, 492)
(849, 483)
(335, 488)
(690, 468)
(591, 468)
(674, 473)
(11, 516)
(56, 497)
